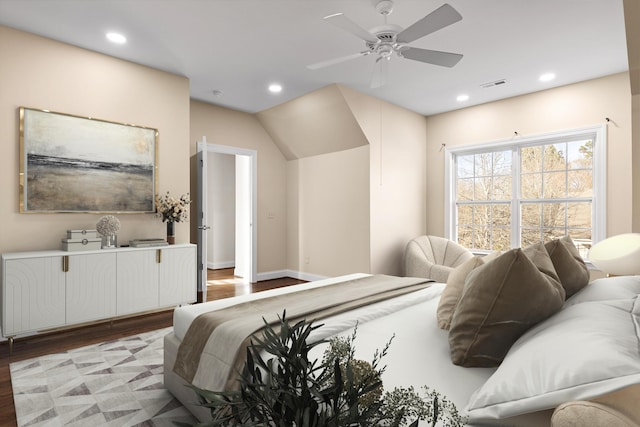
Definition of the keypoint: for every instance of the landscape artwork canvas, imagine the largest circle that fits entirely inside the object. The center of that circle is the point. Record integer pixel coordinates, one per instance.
(76, 164)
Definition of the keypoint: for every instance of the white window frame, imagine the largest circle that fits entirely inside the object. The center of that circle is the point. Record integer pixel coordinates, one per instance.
(599, 204)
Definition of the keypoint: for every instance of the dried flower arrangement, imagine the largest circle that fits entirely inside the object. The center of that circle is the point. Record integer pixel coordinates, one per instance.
(171, 209)
(108, 225)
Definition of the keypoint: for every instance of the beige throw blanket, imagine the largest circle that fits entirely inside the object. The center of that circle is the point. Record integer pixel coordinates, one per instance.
(213, 350)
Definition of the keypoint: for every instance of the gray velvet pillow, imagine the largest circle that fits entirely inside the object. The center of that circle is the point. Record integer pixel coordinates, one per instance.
(455, 285)
(571, 269)
(501, 300)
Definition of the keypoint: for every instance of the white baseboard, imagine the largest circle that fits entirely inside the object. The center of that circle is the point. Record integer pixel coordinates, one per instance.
(300, 275)
(218, 265)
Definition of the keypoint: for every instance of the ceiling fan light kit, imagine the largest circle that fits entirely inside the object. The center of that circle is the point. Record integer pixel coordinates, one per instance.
(388, 39)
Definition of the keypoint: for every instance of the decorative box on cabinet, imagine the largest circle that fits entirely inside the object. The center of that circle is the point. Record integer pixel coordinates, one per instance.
(53, 289)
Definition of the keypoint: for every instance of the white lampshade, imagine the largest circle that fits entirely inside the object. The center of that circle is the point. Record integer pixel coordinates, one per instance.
(618, 255)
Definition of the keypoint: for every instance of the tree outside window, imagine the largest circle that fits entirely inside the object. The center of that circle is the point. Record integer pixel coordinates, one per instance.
(518, 195)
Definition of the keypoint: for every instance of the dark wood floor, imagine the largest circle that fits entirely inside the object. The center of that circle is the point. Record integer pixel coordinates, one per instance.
(221, 284)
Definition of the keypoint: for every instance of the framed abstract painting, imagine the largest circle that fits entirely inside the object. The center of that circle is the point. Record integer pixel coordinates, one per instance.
(81, 164)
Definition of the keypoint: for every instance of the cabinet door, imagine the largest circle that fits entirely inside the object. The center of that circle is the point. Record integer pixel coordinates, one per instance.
(178, 276)
(137, 281)
(91, 287)
(33, 295)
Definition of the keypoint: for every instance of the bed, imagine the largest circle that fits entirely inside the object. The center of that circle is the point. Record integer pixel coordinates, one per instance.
(580, 365)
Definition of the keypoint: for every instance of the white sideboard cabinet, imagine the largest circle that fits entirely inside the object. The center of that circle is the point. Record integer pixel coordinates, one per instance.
(52, 289)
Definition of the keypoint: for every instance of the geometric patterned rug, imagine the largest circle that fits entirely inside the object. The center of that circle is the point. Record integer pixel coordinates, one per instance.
(117, 383)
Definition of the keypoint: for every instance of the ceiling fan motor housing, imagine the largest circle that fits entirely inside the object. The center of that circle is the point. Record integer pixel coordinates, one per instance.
(386, 44)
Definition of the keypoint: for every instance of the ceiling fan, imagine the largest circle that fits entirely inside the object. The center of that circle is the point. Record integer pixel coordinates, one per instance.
(388, 39)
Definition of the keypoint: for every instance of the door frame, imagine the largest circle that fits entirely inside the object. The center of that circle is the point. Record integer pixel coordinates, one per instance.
(253, 185)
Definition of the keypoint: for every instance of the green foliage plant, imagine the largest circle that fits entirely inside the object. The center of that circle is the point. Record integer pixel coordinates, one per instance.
(281, 386)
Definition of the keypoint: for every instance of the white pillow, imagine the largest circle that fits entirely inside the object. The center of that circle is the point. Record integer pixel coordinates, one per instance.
(582, 352)
(610, 288)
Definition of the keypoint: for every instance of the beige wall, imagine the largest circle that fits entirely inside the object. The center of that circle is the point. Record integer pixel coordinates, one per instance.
(568, 107)
(237, 129)
(330, 204)
(355, 210)
(398, 182)
(40, 73)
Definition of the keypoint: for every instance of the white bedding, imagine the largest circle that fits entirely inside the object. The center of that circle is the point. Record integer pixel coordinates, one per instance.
(538, 374)
(419, 354)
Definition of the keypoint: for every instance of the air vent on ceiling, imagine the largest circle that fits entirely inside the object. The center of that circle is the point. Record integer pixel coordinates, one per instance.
(492, 84)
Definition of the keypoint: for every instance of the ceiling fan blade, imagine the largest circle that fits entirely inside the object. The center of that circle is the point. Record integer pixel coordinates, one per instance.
(338, 60)
(380, 72)
(444, 16)
(340, 20)
(435, 57)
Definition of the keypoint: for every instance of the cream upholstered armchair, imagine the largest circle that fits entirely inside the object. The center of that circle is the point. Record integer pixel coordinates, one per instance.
(433, 257)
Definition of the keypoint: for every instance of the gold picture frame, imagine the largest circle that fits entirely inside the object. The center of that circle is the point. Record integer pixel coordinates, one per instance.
(81, 164)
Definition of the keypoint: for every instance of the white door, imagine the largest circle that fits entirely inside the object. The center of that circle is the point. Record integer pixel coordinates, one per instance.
(201, 209)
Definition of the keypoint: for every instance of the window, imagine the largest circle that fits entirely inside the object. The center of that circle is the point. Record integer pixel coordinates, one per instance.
(519, 192)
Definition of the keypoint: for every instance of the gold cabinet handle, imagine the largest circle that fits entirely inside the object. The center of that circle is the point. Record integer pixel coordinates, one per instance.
(65, 263)
(158, 256)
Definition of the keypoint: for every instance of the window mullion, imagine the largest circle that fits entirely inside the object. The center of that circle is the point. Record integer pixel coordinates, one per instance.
(515, 198)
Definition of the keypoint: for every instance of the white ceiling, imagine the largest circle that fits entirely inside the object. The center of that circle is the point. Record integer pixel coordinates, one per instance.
(241, 46)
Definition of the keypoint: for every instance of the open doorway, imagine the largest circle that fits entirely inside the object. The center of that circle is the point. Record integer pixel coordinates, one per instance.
(226, 204)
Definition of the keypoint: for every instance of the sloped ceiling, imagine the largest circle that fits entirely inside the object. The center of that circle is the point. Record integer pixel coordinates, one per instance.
(319, 122)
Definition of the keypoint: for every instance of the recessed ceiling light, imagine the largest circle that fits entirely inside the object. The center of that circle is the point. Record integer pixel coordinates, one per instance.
(116, 38)
(462, 98)
(547, 77)
(275, 88)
